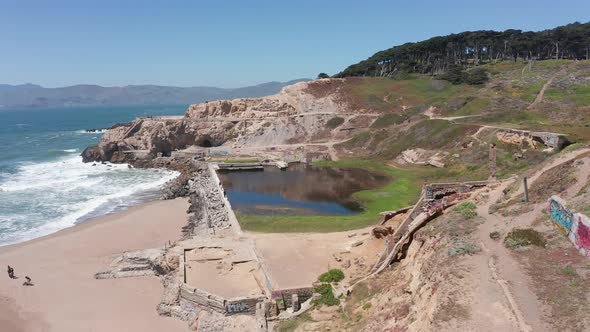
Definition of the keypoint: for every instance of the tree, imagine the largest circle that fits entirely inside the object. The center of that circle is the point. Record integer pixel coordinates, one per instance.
(323, 75)
(440, 55)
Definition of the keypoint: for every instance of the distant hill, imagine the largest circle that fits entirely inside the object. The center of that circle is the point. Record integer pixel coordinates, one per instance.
(31, 95)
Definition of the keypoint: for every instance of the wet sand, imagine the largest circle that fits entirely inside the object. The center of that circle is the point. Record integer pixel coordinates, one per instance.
(66, 297)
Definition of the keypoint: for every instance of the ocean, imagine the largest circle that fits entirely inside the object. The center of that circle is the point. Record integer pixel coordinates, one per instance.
(45, 186)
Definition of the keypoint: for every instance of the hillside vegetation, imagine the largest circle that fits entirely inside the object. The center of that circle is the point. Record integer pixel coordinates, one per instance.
(438, 55)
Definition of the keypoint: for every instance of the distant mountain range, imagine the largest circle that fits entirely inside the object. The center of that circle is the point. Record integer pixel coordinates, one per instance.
(31, 95)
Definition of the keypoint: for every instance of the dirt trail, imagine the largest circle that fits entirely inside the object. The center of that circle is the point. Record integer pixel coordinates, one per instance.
(506, 294)
(511, 293)
(541, 94)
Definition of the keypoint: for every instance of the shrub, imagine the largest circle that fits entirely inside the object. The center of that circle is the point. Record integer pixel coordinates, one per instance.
(476, 76)
(524, 237)
(327, 295)
(463, 248)
(334, 122)
(456, 75)
(323, 75)
(334, 275)
(467, 210)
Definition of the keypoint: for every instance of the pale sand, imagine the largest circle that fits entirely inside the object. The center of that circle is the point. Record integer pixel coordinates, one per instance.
(66, 297)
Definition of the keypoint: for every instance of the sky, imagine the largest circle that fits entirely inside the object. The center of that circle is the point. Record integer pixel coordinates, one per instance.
(237, 43)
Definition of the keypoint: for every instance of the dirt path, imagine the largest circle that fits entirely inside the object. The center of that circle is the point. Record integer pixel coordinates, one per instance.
(505, 297)
(511, 295)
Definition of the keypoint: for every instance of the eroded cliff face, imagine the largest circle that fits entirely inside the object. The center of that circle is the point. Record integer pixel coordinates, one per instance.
(298, 114)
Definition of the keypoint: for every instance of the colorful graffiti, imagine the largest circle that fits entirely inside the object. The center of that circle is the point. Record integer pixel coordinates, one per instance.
(580, 234)
(575, 225)
(560, 214)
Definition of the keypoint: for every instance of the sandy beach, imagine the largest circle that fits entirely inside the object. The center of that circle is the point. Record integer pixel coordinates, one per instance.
(66, 297)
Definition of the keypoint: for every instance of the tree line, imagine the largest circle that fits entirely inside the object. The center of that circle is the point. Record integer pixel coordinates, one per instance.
(438, 55)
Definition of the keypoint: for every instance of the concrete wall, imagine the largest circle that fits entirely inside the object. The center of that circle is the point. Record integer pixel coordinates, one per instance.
(575, 225)
(204, 299)
(303, 293)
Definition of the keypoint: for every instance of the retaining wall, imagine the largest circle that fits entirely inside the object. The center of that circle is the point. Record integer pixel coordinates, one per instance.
(303, 293)
(241, 305)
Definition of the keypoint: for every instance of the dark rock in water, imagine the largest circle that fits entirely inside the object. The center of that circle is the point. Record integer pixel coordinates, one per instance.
(91, 153)
(94, 130)
(100, 152)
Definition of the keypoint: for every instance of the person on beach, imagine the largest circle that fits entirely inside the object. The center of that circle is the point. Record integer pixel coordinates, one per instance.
(27, 282)
(10, 272)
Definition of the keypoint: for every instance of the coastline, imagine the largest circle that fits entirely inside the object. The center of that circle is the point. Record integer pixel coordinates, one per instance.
(66, 297)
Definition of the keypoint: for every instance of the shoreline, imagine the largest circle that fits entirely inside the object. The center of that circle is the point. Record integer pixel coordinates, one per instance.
(67, 297)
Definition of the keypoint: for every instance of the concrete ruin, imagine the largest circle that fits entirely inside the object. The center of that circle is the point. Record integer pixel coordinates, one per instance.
(532, 139)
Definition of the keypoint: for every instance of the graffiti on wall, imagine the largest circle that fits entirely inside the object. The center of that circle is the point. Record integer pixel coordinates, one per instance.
(580, 234)
(234, 308)
(576, 225)
(560, 215)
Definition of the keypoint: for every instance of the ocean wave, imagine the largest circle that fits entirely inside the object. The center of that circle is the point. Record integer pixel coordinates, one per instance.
(43, 198)
(85, 131)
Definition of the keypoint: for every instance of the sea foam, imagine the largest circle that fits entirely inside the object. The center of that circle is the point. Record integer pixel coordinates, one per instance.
(42, 198)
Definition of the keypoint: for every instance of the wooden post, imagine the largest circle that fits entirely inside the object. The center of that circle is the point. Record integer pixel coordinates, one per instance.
(526, 190)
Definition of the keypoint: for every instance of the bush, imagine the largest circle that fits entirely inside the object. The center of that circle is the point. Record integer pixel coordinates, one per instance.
(334, 275)
(323, 75)
(327, 295)
(463, 248)
(518, 238)
(467, 210)
(476, 76)
(456, 75)
(334, 122)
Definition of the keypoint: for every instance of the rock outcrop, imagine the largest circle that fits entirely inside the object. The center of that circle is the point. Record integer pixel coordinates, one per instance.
(295, 115)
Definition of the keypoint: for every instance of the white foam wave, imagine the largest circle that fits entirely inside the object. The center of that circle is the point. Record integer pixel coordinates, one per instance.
(46, 197)
(70, 150)
(98, 131)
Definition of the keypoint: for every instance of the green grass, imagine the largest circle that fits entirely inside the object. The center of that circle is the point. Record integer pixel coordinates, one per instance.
(467, 210)
(388, 120)
(403, 189)
(385, 94)
(474, 106)
(327, 296)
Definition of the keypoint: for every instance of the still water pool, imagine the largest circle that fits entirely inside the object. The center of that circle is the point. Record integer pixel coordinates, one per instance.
(300, 190)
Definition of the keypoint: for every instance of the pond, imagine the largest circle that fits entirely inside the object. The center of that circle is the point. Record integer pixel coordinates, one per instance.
(300, 190)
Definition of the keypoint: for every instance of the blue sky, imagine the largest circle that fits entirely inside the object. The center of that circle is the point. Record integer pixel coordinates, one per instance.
(234, 43)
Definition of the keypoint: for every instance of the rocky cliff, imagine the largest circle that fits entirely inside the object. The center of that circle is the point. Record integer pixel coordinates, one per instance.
(298, 114)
